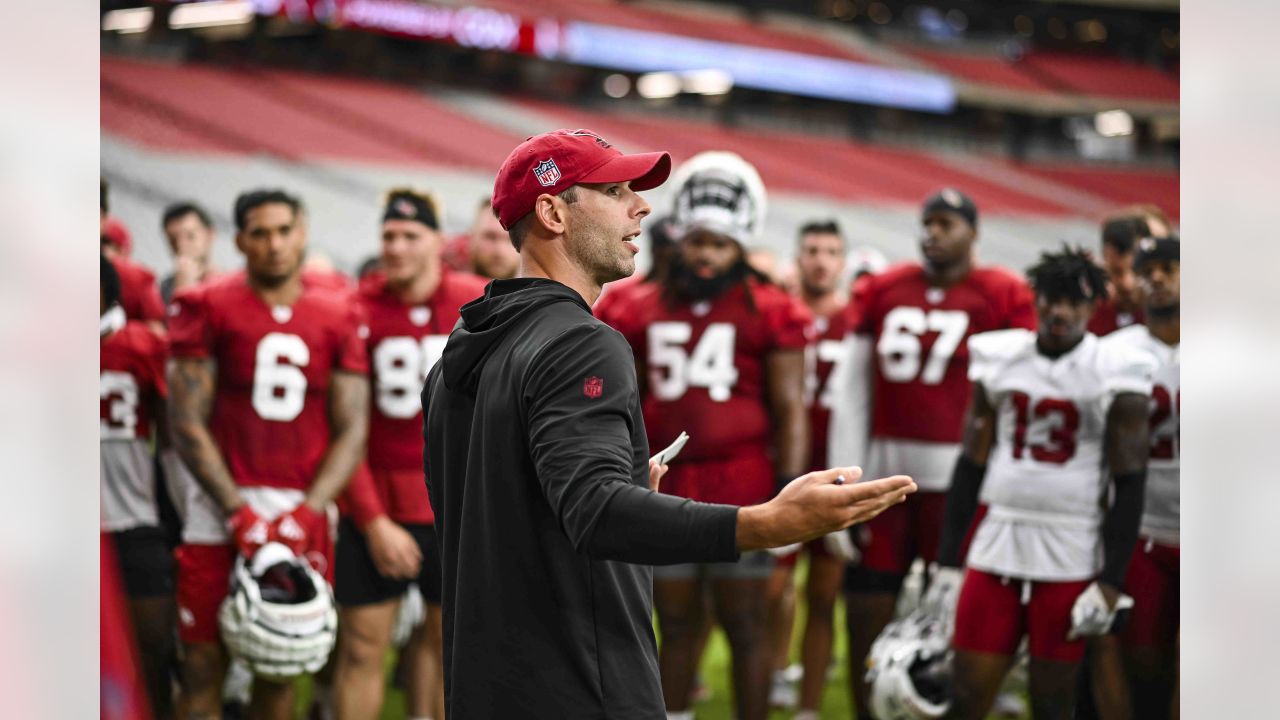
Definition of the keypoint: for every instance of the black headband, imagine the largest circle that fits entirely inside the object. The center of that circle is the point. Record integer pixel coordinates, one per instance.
(1166, 249)
(406, 206)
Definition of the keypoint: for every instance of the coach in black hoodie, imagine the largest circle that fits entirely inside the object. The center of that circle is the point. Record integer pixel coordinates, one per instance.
(537, 468)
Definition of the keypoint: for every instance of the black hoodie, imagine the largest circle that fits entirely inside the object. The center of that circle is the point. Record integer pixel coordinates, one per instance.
(538, 473)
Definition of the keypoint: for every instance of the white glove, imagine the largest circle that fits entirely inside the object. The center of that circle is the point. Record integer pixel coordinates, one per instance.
(1090, 615)
(940, 599)
(841, 546)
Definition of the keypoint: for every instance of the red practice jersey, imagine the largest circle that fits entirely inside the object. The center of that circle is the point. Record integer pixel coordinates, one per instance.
(131, 361)
(920, 381)
(1107, 318)
(827, 351)
(139, 293)
(403, 343)
(706, 364)
(270, 416)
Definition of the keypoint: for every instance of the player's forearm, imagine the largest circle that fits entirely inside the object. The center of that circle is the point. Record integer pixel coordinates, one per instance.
(349, 421)
(962, 505)
(191, 386)
(791, 438)
(1120, 526)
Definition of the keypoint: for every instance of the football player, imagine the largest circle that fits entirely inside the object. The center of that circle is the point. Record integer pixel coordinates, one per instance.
(1057, 423)
(270, 407)
(387, 540)
(132, 390)
(492, 254)
(820, 259)
(720, 353)
(189, 230)
(1120, 233)
(910, 324)
(1150, 639)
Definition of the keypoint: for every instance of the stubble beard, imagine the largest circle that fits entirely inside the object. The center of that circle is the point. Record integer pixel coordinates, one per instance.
(604, 260)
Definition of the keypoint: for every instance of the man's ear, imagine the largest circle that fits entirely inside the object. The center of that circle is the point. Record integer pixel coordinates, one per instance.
(549, 211)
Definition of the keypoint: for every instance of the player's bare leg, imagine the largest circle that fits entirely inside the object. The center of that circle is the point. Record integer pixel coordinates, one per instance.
(271, 700)
(1107, 678)
(1052, 686)
(203, 667)
(825, 576)
(740, 609)
(866, 614)
(679, 604)
(363, 640)
(153, 620)
(782, 613)
(424, 696)
(976, 682)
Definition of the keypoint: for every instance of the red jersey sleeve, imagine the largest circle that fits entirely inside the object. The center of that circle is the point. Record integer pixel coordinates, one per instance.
(152, 304)
(858, 312)
(190, 331)
(789, 323)
(1021, 310)
(361, 497)
(157, 355)
(351, 355)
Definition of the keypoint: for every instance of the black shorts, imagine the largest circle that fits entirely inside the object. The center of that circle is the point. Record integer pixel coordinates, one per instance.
(146, 562)
(356, 580)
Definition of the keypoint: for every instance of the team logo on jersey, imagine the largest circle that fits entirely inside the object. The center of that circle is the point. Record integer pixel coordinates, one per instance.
(282, 313)
(547, 172)
(935, 295)
(593, 387)
(420, 315)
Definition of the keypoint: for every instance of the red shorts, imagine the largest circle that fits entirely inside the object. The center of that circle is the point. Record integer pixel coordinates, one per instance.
(204, 574)
(1153, 582)
(991, 617)
(895, 537)
(816, 547)
(745, 480)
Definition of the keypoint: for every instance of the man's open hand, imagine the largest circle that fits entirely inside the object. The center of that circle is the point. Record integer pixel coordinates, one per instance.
(813, 505)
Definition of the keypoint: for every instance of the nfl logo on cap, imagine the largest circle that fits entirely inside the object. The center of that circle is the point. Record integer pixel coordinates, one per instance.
(546, 172)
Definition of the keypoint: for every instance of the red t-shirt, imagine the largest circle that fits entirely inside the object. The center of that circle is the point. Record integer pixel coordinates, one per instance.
(139, 293)
(1107, 318)
(270, 416)
(827, 349)
(921, 386)
(131, 361)
(706, 364)
(403, 343)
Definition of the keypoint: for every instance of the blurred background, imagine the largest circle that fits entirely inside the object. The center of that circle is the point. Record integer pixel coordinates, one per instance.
(1047, 113)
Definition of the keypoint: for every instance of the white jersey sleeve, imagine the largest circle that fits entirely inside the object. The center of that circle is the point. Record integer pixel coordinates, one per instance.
(991, 352)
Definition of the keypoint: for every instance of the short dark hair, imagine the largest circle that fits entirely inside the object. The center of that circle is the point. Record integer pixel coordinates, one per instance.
(1123, 228)
(820, 227)
(254, 199)
(518, 231)
(109, 280)
(102, 195)
(181, 210)
(1071, 274)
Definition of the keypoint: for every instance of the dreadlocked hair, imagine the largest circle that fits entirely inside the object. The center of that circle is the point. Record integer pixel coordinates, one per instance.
(1071, 274)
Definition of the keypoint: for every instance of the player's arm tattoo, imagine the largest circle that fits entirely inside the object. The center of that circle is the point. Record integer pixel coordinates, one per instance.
(784, 378)
(1128, 434)
(979, 427)
(191, 391)
(349, 429)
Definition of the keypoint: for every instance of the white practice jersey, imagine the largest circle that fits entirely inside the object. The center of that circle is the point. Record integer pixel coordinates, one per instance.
(1161, 509)
(1045, 481)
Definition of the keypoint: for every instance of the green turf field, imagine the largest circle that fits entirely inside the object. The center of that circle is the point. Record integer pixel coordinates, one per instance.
(836, 703)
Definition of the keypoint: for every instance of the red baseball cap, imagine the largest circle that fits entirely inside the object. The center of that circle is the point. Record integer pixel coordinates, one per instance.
(552, 162)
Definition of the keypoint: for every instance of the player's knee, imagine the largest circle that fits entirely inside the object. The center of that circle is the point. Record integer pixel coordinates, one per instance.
(202, 670)
(360, 649)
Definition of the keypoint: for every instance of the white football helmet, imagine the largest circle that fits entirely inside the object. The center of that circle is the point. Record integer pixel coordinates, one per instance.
(721, 192)
(909, 669)
(279, 617)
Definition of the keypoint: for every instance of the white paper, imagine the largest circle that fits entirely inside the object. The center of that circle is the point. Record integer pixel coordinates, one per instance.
(670, 452)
